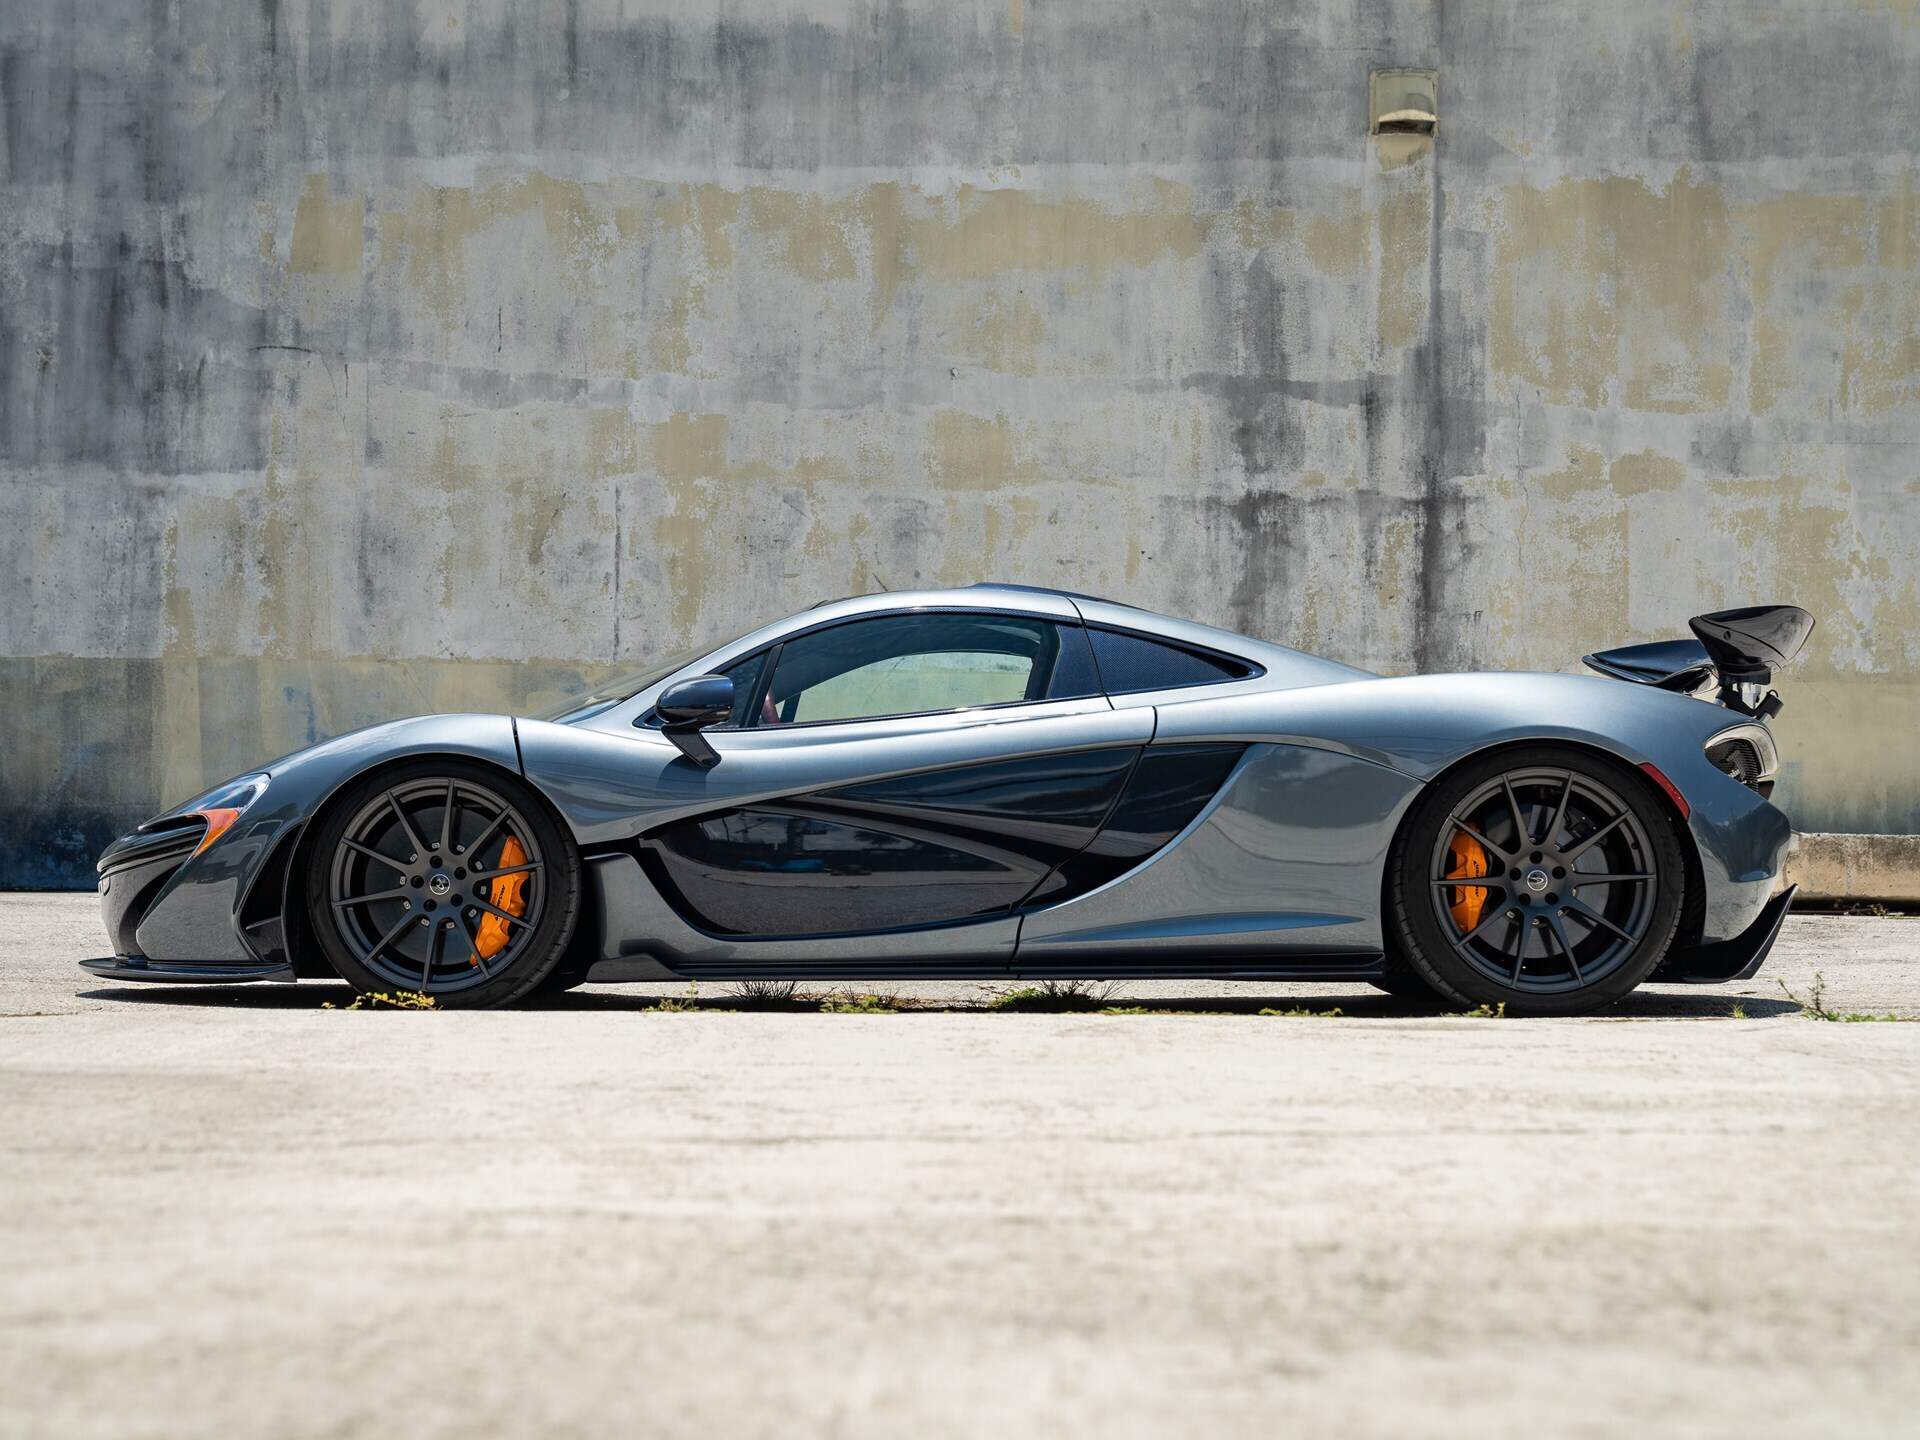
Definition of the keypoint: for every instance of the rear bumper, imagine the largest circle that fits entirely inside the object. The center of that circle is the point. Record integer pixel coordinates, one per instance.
(1723, 961)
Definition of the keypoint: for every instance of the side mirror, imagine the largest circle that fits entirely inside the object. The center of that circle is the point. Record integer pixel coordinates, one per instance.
(688, 708)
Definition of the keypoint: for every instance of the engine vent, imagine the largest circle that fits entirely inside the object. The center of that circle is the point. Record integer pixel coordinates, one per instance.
(1742, 760)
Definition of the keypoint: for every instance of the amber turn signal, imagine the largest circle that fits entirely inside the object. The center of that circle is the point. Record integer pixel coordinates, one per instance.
(218, 823)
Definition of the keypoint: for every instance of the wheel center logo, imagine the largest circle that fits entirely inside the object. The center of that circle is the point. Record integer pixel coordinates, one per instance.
(440, 884)
(1536, 880)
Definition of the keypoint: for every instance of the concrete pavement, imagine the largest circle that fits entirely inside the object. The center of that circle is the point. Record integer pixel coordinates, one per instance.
(232, 1211)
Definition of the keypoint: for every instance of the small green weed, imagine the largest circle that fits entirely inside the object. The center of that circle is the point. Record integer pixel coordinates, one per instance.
(1487, 1012)
(1815, 1006)
(848, 1003)
(666, 1004)
(1739, 1011)
(386, 1000)
(1301, 1012)
(1126, 1010)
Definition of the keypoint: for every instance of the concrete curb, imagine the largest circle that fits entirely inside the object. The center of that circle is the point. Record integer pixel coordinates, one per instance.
(1830, 867)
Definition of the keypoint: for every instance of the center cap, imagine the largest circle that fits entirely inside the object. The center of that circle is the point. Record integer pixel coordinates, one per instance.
(1536, 881)
(440, 884)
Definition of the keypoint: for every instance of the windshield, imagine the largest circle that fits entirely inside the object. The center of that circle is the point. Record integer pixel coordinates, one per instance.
(602, 697)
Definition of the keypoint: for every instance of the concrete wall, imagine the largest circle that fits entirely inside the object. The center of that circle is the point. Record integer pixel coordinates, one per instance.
(364, 358)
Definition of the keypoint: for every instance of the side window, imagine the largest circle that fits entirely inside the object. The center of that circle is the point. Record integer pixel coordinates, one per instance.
(1132, 662)
(745, 675)
(914, 664)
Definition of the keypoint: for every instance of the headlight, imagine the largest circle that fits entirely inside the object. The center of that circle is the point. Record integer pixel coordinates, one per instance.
(220, 807)
(1747, 753)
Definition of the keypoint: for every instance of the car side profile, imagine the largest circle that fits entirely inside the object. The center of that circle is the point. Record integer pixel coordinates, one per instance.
(1004, 782)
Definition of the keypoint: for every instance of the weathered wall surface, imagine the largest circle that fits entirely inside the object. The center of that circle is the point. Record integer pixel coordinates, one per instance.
(364, 358)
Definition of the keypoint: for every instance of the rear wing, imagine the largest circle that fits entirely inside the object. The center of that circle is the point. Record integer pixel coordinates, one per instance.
(1735, 652)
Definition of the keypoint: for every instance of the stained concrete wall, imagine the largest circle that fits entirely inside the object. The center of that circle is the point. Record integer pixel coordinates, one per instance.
(364, 358)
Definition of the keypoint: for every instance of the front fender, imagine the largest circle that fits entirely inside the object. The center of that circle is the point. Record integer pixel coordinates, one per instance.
(196, 915)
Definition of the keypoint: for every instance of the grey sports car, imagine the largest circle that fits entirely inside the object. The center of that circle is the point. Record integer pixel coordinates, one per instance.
(1004, 782)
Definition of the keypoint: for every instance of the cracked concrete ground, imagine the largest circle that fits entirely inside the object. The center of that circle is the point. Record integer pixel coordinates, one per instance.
(232, 1211)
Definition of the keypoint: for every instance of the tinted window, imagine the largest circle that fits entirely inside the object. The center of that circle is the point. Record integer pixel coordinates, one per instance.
(912, 664)
(1131, 662)
(745, 675)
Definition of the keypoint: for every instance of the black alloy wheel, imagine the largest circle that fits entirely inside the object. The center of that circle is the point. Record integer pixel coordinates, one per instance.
(443, 878)
(1548, 880)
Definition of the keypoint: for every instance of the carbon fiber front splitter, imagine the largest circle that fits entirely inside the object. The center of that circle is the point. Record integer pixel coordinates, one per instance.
(138, 967)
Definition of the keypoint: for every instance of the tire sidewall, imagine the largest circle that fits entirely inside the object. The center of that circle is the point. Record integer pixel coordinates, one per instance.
(561, 874)
(1411, 912)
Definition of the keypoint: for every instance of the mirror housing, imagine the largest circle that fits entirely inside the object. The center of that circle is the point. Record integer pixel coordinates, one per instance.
(689, 707)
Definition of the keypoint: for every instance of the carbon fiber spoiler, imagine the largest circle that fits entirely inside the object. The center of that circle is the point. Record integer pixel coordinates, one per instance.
(1736, 650)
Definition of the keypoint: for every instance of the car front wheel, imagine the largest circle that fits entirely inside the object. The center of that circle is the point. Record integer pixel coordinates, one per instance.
(1545, 879)
(444, 878)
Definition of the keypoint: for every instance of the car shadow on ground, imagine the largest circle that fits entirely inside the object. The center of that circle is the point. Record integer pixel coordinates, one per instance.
(1361, 1005)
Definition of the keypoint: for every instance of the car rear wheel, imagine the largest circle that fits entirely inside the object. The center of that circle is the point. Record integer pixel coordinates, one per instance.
(1547, 880)
(445, 878)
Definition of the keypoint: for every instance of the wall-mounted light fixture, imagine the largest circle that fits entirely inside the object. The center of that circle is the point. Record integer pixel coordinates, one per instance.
(1403, 102)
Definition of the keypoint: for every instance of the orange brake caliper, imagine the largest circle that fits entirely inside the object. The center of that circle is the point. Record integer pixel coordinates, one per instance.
(509, 893)
(1466, 859)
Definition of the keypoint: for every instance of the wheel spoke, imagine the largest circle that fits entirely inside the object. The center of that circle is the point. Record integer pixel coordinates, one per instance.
(1592, 916)
(487, 834)
(447, 832)
(387, 939)
(1595, 838)
(1560, 934)
(373, 854)
(1577, 879)
(1559, 811)
(1517, 938)
(1468, 830)
(1455, 882)
(492, 909)
(432, 957)
(400, 894)
(474, 957)
(1522, 837)
(1496, 913)
(406, 825)
(506, 870)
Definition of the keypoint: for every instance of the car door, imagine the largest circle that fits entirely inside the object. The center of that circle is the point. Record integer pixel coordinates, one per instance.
(897, 772)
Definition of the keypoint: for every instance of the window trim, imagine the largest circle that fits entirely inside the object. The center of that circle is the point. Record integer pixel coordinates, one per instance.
(651, 719)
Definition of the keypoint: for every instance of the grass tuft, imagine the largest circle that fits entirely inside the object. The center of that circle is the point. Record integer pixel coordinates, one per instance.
(386, 1000)
(1301, 1012)
(848, 1003)
(766, 992)
(1487, 1012)
(1057, 996)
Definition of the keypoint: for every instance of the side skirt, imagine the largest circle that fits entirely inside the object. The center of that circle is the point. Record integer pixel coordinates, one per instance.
(642, 970)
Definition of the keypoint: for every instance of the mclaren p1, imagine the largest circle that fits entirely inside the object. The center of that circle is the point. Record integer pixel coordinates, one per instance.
(1008, 782)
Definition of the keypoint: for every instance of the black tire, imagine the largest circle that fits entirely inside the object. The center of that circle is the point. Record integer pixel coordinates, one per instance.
(1581, 898)
(389, 917)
